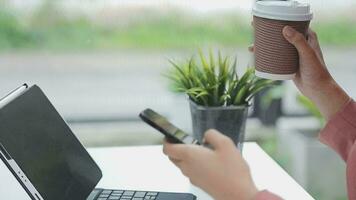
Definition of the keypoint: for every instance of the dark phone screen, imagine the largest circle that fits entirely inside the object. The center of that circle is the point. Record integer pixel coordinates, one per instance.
(42, 144)
(162, 124)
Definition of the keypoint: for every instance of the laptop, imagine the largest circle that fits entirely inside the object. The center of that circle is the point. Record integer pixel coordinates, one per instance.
(46, 158)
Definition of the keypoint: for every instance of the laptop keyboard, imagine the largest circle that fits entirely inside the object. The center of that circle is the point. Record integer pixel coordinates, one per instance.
(126, 195)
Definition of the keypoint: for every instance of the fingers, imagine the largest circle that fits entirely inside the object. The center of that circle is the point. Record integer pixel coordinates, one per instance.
(314, 44)
(175, 162)
(312, 38)
(251, 48)
(175, 151)
(297, 39)
(312, 35)
(217, 140)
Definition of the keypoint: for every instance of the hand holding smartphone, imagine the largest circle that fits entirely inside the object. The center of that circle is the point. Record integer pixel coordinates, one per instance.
(172, 133)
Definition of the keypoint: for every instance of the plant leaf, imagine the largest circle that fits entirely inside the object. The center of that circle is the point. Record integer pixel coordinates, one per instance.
(214, 82)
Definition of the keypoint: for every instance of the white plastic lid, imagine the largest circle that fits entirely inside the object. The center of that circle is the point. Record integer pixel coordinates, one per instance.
(283, 10)
(276, 77)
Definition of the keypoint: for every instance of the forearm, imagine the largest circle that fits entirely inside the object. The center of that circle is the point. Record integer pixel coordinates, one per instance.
(329, 98)
(266, 195)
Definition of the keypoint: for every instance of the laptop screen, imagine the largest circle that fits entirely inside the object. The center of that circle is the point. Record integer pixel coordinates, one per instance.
(44, 147)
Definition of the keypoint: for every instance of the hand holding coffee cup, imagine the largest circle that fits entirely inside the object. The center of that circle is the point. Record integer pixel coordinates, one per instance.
(275, 57)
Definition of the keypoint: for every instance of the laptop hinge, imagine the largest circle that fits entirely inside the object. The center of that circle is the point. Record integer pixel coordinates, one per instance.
(94, 194)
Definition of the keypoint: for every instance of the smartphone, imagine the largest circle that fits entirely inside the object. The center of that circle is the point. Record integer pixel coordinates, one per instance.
(172, 133)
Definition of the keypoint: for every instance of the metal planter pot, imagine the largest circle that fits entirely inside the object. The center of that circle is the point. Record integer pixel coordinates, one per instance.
(231, 121)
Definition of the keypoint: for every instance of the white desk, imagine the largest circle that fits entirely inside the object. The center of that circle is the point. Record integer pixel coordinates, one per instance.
(146, 168)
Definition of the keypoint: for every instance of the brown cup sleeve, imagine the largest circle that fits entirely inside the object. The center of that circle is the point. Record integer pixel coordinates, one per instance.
(273, 53)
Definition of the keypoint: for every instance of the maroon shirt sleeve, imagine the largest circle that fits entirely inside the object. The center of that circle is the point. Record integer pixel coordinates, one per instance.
(340, 134)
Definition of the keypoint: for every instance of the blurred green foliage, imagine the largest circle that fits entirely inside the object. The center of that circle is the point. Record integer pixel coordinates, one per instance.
(12, 34)
(172, 32)
(339, 31)
(312, 109)
(49, 28)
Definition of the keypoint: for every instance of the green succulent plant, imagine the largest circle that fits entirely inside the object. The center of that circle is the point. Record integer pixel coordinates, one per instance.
(214, 81)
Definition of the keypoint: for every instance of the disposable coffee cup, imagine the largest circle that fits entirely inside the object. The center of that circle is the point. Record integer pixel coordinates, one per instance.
(275, 57)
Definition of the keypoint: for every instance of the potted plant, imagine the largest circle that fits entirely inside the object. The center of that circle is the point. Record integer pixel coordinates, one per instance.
(219, 98)
(316, 167)
(268, 104)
